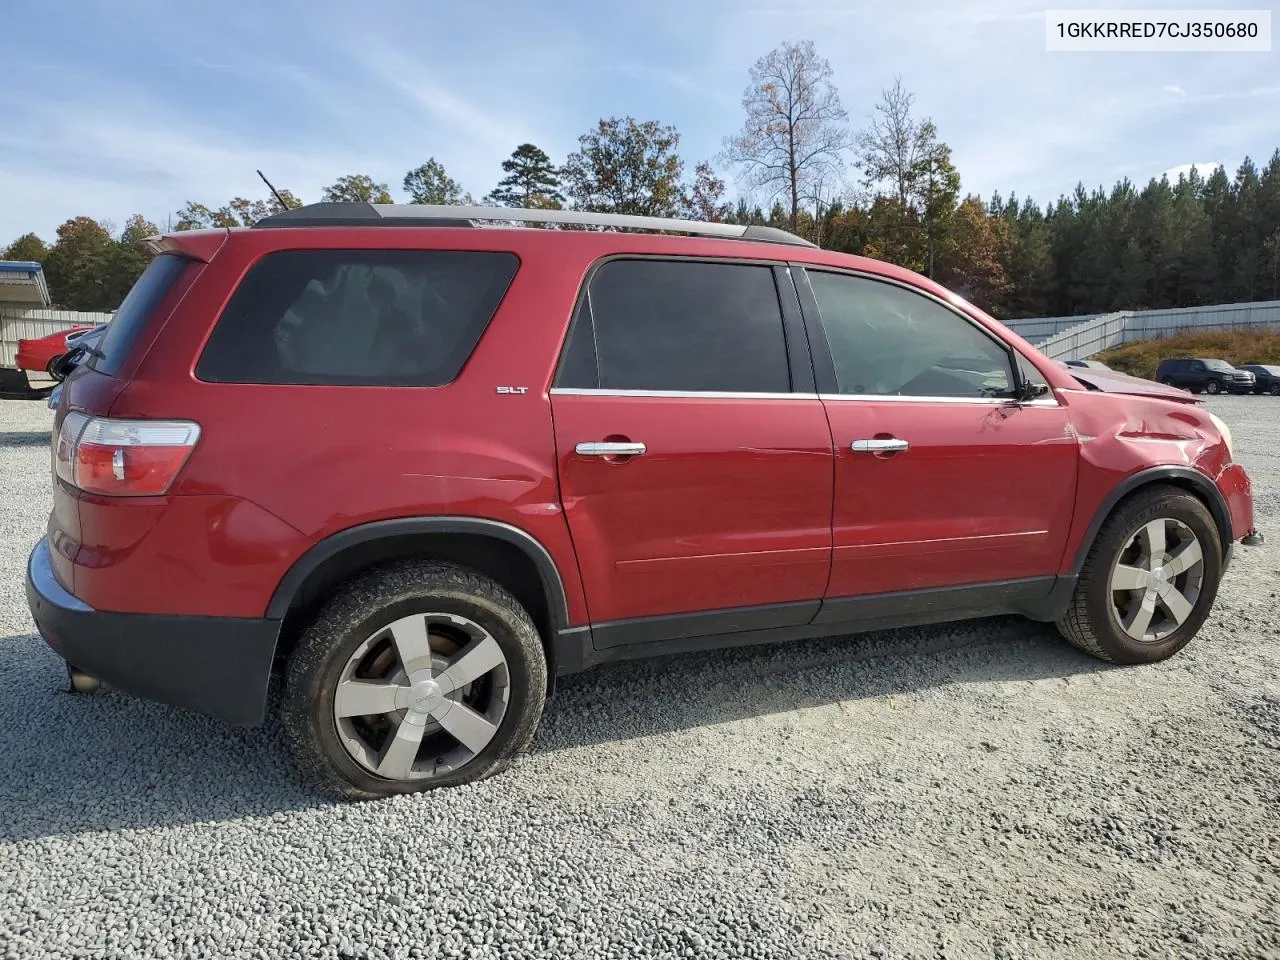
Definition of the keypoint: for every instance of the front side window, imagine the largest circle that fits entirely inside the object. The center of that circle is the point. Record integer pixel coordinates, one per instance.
(678, 325)
(1220, 365)
(357, 317)
(887, 340)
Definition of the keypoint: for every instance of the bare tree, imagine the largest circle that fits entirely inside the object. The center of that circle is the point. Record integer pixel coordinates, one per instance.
(794, 136)
(902, 156)
(897, 148)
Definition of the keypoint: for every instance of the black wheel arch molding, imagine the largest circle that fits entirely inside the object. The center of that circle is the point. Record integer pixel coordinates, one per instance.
(331, 546)
(1200, 483)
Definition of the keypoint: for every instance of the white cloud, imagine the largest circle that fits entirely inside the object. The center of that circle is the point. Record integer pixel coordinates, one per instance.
(1205, 169)
(458, 113)
(1175, 90)
(136, 158)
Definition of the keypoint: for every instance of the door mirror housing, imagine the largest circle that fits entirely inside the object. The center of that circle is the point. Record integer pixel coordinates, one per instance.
(1028, 391)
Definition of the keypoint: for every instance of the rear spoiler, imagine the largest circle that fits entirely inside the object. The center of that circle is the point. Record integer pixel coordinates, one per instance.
(197, 244)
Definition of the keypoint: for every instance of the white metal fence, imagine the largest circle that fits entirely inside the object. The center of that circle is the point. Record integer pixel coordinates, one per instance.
(1088, 338)
(19, 323)
(1041, 328)
(1092, 334)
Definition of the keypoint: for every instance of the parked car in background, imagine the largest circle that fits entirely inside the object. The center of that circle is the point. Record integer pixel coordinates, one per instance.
(37, 354)
(1204, 375)
(1088, 364)
(80, 346)
(424, 468)
(1266, 376)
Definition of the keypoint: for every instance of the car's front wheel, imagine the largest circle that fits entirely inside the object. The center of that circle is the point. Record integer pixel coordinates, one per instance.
(1213, 387)
(1275, 389)
(416, 676)
(1149, 581)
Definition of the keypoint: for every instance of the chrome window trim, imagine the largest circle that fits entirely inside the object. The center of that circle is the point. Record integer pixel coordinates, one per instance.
(678, 394)
(897, 398)
(732, 395)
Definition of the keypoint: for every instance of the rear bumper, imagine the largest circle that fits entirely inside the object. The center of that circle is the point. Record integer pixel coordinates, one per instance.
(215, 665)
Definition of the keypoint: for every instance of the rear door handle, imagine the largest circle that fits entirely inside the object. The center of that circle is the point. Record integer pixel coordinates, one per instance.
(879, 445)
(609, 449)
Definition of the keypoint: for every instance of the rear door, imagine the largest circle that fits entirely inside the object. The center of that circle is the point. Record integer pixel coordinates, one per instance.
(694, 456)
(942, 481)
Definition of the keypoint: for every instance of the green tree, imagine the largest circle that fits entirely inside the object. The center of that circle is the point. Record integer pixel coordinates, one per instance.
(794, 136)
(28, 248)
(902, 158)
(129, 258)
(79, 267)
(626, 166)
(196, 216)
(240, 212)
(428, 183)
(969, 256)
(356, 188)
(531, 181)
(1027, 258)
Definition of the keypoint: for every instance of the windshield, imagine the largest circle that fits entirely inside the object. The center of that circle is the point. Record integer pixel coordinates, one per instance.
(1270, 368)
(1219, 365)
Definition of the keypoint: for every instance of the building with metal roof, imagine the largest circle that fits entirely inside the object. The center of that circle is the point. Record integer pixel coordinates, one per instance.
(22, 284)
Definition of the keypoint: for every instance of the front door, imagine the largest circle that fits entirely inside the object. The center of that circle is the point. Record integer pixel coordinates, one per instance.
(941, 479)
(696, 483)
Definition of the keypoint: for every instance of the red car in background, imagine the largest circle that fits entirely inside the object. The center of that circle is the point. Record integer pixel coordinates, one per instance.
(37, 354)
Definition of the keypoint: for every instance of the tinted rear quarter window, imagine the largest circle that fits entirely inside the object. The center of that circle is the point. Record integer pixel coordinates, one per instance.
(134, 313)
(678, 325)
(357, 317)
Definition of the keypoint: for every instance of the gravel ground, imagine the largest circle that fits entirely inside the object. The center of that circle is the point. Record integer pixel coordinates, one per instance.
(979, 790)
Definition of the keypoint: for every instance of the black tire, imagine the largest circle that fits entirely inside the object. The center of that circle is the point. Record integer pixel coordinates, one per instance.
(1213, 387)
(1091, 623)
(1275, 390)
(357, 611)
(1168, 382)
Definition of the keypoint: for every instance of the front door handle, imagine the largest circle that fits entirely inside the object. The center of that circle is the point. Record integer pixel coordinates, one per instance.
(879, 445)
(609, 449)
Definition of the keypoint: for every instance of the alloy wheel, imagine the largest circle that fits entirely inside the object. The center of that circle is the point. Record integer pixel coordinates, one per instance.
(421, 696)
(1156, 580)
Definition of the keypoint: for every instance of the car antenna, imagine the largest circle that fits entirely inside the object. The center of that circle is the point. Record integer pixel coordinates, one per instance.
(273, 190)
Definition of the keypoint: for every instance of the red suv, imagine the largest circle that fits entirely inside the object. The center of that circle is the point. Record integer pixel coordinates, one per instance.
(423, 468)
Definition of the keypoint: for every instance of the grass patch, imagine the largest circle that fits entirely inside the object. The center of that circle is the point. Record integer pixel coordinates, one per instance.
(1252, 345)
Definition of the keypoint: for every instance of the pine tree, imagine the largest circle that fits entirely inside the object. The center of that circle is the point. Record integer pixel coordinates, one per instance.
(531, 181)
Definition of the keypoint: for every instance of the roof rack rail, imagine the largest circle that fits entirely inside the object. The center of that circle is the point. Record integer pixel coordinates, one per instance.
(433, 215)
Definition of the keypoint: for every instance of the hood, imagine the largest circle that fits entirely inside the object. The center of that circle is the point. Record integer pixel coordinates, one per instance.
(1111, 381)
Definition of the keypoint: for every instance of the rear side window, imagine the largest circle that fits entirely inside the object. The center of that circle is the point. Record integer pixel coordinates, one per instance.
(131, 318)
(678, 325)
(357, 317)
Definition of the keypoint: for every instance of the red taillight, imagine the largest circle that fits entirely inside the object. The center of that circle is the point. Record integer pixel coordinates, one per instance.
(122, 458)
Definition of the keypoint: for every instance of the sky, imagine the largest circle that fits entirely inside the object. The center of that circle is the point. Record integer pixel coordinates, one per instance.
(137, 106)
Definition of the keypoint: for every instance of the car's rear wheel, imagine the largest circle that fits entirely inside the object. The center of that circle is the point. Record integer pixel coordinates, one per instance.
(416, 676)
(1149, 581)
(1167, 381)
(1213, 387)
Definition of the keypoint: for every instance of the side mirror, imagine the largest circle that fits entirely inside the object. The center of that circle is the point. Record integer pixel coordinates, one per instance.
(1032, 391)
